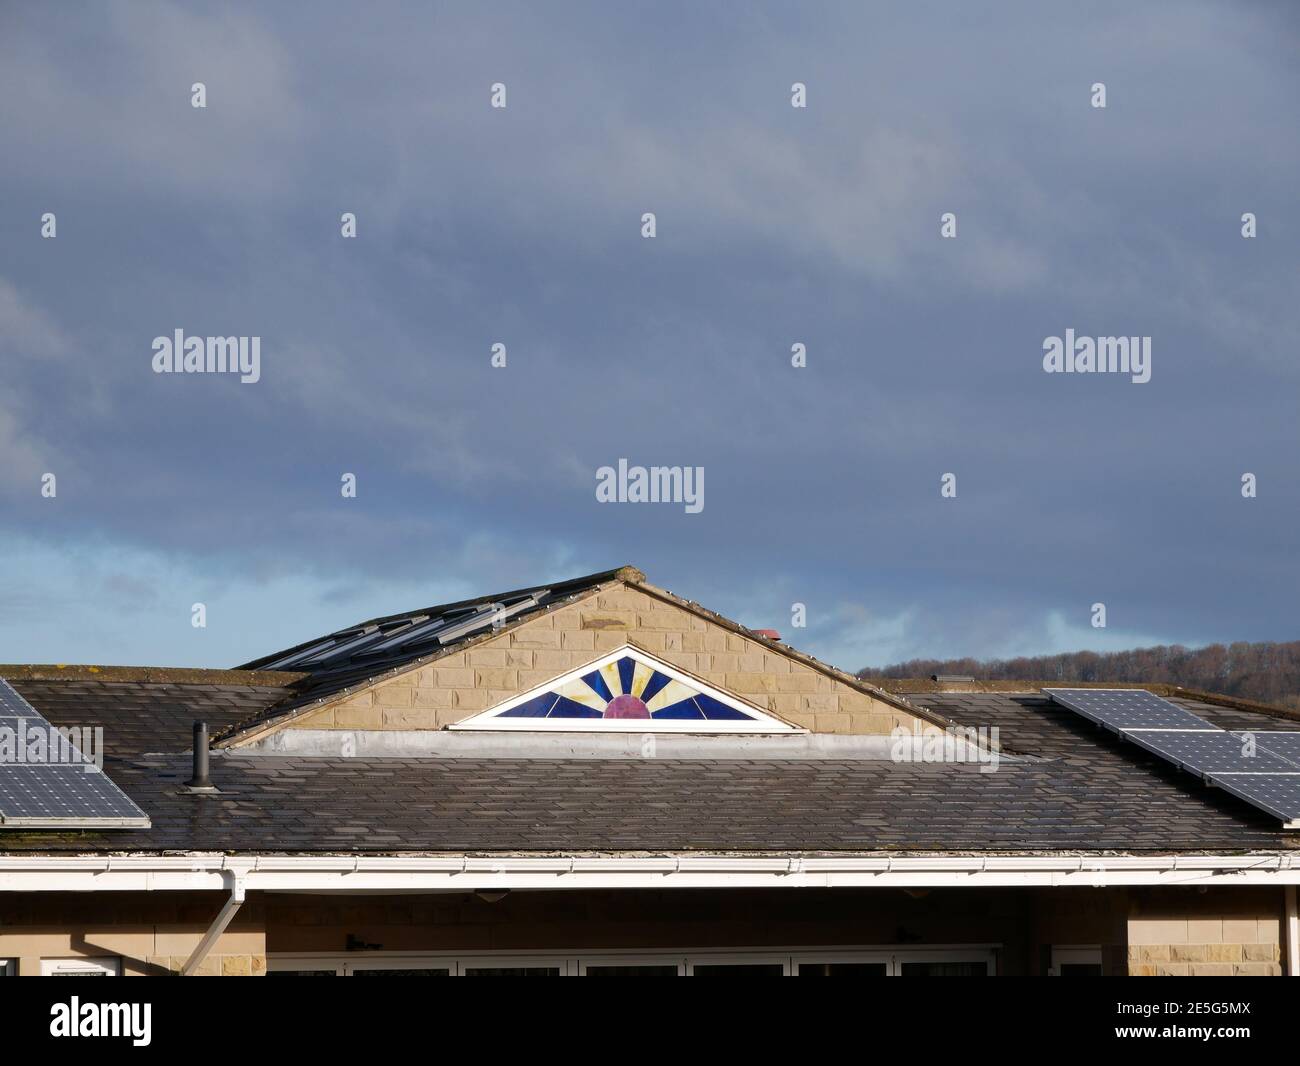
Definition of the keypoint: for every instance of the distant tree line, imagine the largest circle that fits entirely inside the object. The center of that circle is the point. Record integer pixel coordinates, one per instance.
(1266, 672)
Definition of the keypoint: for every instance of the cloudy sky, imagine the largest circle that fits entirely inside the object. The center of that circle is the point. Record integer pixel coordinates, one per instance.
(775, 226)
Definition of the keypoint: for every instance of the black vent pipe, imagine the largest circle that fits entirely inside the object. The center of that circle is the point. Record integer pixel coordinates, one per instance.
(200, 778)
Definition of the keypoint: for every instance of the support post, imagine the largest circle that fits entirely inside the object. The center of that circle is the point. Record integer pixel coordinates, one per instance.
(215, 930)
(1292, 934)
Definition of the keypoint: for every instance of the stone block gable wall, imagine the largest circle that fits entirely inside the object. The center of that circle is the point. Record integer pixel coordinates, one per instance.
(460, 685)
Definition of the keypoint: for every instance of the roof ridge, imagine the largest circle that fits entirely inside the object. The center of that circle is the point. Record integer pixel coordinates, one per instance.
(168, 675)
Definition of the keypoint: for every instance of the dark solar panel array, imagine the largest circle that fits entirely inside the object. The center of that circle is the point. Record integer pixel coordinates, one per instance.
(377, 646)
(406, 635)
(58, 788)
(1261, 768)
(1127, 708)
(1279, 794)
(13, 705)
(1285, 744)
(58, 794)
(1211, 752)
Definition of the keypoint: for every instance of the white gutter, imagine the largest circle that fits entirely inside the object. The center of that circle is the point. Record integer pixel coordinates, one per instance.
(458, 873)
(218, 926)
(505, 744)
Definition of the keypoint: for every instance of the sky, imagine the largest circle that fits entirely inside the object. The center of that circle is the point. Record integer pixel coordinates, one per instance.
(523, 226)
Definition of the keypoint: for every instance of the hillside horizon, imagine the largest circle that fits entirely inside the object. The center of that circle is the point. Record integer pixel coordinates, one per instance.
(1267, 671)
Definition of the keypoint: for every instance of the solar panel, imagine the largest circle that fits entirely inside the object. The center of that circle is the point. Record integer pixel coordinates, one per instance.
(1279, 794)
(480, 619)
(13, 705)
(1126, 708)
(1286, 745)
(424, 629)
(1210, 751)
(299, 656)
(1265, 773)
(491, 614)
(403, 636)
(366, 636)
(45, 782)
(57, 794)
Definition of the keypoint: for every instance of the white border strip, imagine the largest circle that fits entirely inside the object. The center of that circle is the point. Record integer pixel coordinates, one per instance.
(459, 873)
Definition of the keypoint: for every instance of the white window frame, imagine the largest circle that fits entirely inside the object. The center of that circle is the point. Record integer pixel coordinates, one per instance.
(760, 721)
(97, 966)
(575, 963)
(585, 961)
(504, 962)
(817, 958)
(8, 967)
(350, 967)
(989, 957)
(1073, 953)
(299, 963)
(737, 958)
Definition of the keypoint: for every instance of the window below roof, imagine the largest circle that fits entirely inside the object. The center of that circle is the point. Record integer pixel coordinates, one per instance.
(739, 962)
(1071, 961)
(103, 966)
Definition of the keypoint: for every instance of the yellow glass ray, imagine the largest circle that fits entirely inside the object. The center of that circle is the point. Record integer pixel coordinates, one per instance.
(641, 675)
(610, 673)
(580, 692)
(673, 692)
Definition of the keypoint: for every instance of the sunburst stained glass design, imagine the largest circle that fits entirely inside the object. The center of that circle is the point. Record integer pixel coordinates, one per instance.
(627, 689)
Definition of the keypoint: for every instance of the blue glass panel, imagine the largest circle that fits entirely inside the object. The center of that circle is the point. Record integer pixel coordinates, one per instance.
(656, 682)
(567, 708)
(626, 666)
(537, 707)
(716, 710)
(597, 685)
(680, 709)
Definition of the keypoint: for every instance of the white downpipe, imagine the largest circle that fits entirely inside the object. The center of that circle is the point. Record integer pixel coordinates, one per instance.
(1292, 934)
(218, 926)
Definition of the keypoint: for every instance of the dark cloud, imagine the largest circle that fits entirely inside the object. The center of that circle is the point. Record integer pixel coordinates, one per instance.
(775, 226)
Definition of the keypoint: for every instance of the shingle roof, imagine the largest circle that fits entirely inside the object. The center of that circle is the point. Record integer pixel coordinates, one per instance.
(1084, 791)
(407, 805)
(144, 716)
(1033, 724)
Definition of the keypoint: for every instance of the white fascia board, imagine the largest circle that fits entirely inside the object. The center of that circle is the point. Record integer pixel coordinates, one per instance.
(375, 874)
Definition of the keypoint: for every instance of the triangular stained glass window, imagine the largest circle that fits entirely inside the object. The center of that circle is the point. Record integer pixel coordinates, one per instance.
(627, 691)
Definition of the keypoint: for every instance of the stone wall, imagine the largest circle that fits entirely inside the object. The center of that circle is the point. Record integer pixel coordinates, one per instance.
(493, 670)
(152, 933)
(1217, 933)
